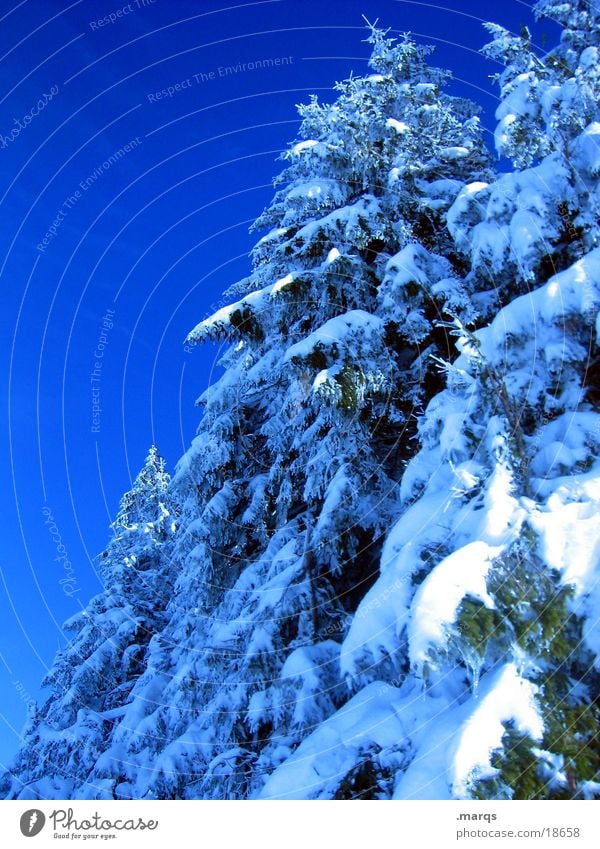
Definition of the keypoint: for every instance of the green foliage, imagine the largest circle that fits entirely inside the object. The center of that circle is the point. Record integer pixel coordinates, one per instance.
(532, 601)
(516, 768)
(526, 769)
(352, 383)
(476, 626)
(534, 608)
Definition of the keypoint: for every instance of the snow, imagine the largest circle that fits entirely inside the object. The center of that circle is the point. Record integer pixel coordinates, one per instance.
(277, 584)
(336, 331)
(339, 489)
(427, 524)
(512, 221)
(300, 147)
(321, 192)
(507, 697)
(219, 322)
(282, 283)
(517, 104)
(538, 320)
(235, 651)
(586, 150)
(453, 743)
(325, 757)
(413, 267)
(437, 600)
(272, 235)
(552, 769)
(562, 443)
(569, 528)
(455, 152)
(378, 622)
(589, 789)
(527, 229)
(469, 203)
(456, 741)
(398, 126)
(260, 643)
(307, 669)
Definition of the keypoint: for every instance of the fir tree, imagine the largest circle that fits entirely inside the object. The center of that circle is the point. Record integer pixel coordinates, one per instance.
(291, 482)
(92, 677)
(494, 617)
(548, 609)
(487, 600)
(537, 220)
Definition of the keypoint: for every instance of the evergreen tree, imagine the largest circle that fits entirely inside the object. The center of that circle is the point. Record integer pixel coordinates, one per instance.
(538, 219)
(552, 426)
(488, 595)
(92, 677)
(292, 480)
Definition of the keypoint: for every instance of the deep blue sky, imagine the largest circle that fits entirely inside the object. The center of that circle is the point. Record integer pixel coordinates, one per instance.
(155, 237)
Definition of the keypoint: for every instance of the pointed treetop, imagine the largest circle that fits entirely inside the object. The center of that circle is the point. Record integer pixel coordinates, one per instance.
(377, 35)
(146, 491)
(154, 471)
(403, 60)
(154, 460)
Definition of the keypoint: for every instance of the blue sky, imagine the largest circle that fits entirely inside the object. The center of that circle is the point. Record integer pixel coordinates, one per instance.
(135, 150)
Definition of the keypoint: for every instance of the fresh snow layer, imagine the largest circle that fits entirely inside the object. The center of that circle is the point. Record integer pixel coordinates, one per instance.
(336, 331)
(438, 598)
(452, 743)
(325, 757)
(458, 741)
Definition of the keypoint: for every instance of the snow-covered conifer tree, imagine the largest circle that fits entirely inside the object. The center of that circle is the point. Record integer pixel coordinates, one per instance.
(489, 579)
(541, 217)
(92, 677)
(292, 481)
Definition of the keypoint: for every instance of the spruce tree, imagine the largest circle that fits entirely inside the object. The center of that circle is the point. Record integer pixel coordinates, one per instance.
(539, 218)
(488, 590)
(292, 481)
(92, 678)
(553, 426)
